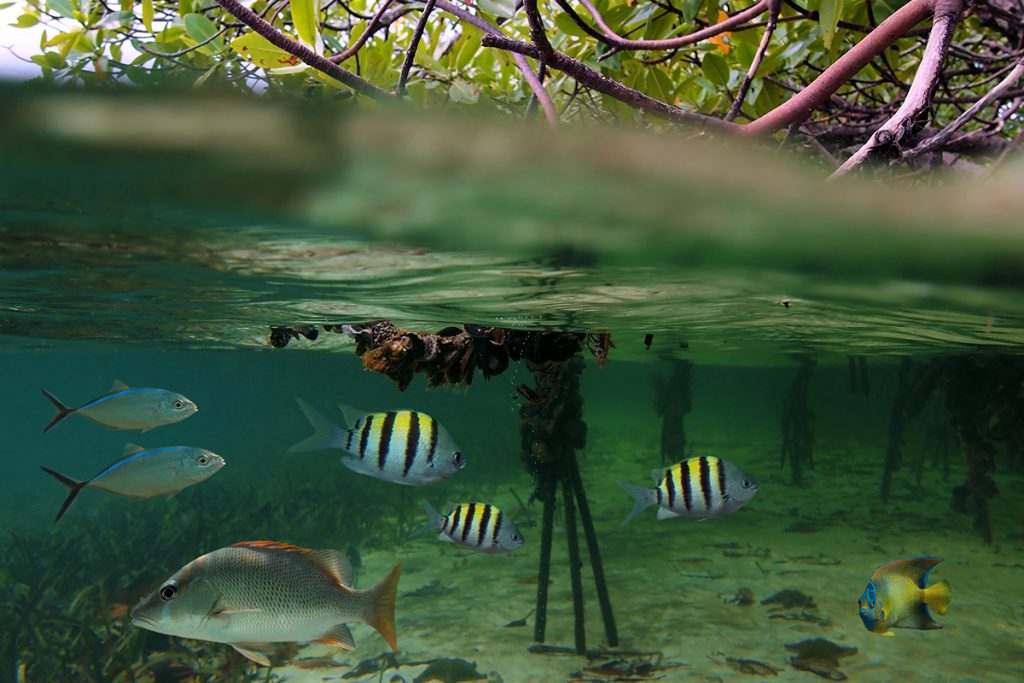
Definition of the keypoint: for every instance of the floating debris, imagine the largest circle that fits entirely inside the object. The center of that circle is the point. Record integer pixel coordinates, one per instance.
(450, 670)
(789, 599)
(820, 656)
(743, 597)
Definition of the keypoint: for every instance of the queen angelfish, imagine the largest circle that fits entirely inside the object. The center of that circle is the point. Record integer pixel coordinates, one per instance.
(696, 487)
(897, 596)
(400, 446)
(477, 526)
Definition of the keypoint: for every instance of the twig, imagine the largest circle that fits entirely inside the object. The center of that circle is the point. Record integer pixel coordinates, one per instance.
(297, 49)
(410, 55)
(943, 135)
(183, 51)
(917, 101)
(370, 30)
(773, 13)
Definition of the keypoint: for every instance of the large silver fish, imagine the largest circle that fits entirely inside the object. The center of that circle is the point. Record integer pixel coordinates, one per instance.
(696, 487)
(126, 408)
(143, 473)
(259, 592)
(477, 526)
(400, 446)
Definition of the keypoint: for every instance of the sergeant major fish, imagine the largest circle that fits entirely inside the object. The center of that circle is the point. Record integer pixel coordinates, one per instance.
(254, 593)
(143, 473)
(478, 526)
(897, 596)
(696, 487)
(404, 446)
(126, 408)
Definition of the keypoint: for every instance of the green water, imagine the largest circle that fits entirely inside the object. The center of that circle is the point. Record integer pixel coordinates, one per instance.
(124, 257)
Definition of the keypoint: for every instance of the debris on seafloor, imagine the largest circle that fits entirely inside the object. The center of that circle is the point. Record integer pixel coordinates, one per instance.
(434, 589)
(802, 615)
(519, 622)
(743, 597)
(642, 668)
(820, 656)
(751, 667)
(373, 665)
(450, 670)
(788, 599)
(819, 559)
(749, 551)
(805, 526)
(315, 663)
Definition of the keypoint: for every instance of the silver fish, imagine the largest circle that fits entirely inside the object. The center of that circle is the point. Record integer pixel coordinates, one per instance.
(400, 446)
(259, 592)
(696, 487)
(126, 408)
(143, 473)
(478, 526)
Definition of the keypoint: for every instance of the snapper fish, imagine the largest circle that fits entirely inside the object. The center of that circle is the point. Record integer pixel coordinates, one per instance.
(126, 408)
(400, 446)
(145, 473)
(477, 526)
(897, 596)
(696, 487)
(254, 593)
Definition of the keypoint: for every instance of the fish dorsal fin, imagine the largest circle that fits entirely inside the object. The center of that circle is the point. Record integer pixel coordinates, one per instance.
(352, 415)
(131, 449)
(335, 564)
(916, 569)
(657, 475)
(118, 385)
(338, 636)
(271, 545)
(252, 651)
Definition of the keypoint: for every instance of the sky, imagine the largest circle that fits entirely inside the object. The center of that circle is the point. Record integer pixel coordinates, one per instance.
(23, 42)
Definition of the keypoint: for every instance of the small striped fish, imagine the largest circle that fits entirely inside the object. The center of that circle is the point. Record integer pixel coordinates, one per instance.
(400, 446)
(696, 487)
(477, 526)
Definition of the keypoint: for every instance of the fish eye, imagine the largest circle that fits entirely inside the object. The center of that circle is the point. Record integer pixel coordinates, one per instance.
(517, 537)
(746, 483)
(178, 405)
(881, 615)
(168, 592)
(203, 460)
(458, 460)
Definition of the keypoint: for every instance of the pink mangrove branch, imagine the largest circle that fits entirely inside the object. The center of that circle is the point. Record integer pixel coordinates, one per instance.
(370, 30)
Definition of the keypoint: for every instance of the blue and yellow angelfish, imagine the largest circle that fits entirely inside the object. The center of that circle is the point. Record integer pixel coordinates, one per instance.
(898, 596)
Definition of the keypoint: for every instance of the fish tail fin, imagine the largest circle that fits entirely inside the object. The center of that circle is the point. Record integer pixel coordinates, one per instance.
(642, 497)
(62, 410)
(74, 488)
(434, 519)
(379, 608)
(937, 596)
(325, 433)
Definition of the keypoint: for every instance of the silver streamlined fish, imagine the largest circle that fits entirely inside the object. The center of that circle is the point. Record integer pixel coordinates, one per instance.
(696, 487)
(145, 473)
(126, 408)
(254, 593)
(477, 526)
(400, 446)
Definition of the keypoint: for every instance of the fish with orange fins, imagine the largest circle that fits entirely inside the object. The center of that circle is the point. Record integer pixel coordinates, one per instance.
(897, 596)
(252, 594)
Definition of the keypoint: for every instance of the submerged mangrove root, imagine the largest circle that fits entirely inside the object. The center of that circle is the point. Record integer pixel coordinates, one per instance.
(673, 400)
(798, 422)
(859, 376)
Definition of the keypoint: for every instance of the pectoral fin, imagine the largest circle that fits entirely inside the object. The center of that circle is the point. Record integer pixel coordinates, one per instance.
(665, 513)
(886, 633)
(252, 651)
(339, 636)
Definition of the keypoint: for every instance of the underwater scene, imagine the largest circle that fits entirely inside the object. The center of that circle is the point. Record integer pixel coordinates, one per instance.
(363, 434)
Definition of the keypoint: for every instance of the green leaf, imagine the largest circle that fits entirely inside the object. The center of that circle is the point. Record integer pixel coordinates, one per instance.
(304, 17)
(499, 8)
(25, 21)
(185, 8)
(715, 69)
(5, 5)
(147, 14)
(565, 24)
(199, 28)
(463, 92)
(829, 13)
(126, 5)
(62, 7)
(262, 52)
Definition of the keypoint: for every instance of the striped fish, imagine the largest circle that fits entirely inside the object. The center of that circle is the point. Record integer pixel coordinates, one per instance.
(126, 408)
(477, 526)
(145, 473)
(696, 487)
(400, 446)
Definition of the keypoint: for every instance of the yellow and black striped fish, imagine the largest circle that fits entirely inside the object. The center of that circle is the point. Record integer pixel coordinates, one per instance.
(478, 526)
(401, 446)
(696, 487)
